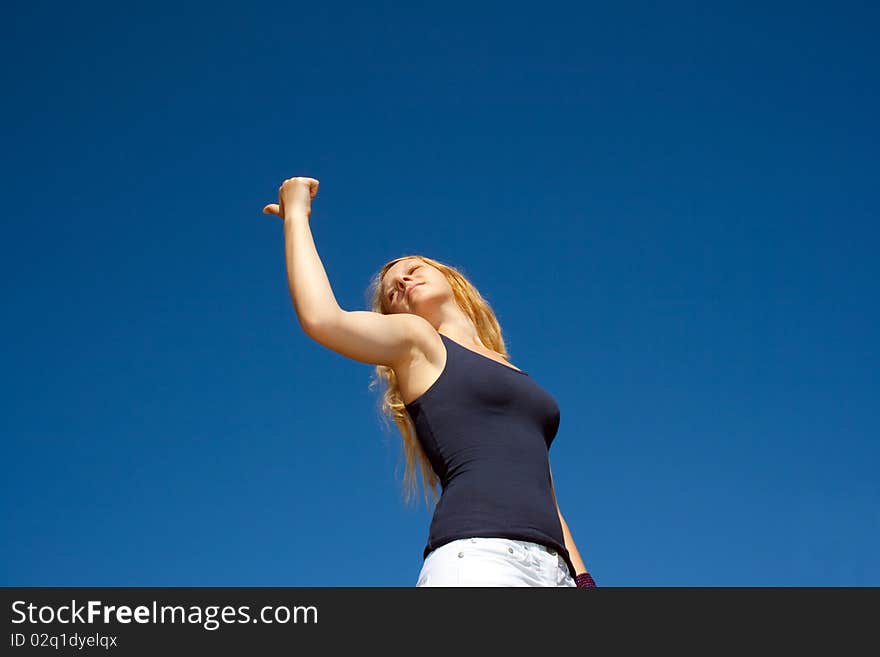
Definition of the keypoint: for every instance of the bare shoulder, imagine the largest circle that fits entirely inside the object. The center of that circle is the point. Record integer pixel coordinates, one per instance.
(425, 343)
(405, 342)
(424, 362)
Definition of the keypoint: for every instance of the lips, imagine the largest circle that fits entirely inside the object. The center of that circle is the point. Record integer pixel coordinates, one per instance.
(411, 288)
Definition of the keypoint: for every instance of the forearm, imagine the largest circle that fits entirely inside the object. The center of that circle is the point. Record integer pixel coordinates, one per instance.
(576, 559)
(307, 281)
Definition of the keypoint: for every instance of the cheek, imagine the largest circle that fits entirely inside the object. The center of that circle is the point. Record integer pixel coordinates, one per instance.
(435, 278)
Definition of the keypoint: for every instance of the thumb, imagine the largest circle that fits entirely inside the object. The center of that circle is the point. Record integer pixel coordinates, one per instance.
(272, 208)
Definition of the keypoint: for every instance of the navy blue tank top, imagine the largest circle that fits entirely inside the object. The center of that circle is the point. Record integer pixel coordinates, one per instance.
(487, 429)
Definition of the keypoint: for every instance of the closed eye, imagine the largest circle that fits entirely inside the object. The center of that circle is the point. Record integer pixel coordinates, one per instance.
(391, 294)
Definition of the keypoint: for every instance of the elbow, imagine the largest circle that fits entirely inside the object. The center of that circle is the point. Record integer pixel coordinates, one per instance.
(313, 329)
(317, 328)
(309, 326)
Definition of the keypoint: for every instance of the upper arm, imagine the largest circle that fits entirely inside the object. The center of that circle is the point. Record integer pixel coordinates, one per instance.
(371, 337)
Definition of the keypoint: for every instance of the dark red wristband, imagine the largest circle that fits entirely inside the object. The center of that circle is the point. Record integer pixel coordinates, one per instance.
(585, 581)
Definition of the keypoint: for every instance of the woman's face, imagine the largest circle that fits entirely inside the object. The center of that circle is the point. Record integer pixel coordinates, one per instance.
(412, 284)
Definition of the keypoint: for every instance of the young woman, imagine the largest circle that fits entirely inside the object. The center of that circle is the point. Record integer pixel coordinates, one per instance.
(471, 422)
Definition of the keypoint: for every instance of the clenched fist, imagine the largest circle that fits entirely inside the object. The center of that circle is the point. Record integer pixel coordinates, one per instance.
(294, 199)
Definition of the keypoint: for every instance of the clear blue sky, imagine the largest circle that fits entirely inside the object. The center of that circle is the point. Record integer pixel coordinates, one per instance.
(671, 207)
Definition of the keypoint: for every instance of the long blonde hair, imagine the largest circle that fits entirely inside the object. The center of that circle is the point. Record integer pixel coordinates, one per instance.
(391, 404)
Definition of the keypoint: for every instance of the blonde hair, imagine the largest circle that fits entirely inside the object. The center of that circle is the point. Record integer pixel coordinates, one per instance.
(391, 404)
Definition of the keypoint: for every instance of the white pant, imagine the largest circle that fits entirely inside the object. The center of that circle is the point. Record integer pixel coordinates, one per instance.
(494, 562)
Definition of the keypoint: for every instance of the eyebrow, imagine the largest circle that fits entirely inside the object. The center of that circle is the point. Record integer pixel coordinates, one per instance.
(408, 263)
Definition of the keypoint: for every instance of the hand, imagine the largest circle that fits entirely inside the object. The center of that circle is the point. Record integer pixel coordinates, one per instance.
(294, 198)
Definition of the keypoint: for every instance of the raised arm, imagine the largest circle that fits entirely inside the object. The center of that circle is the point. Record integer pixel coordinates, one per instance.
(364, 336)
